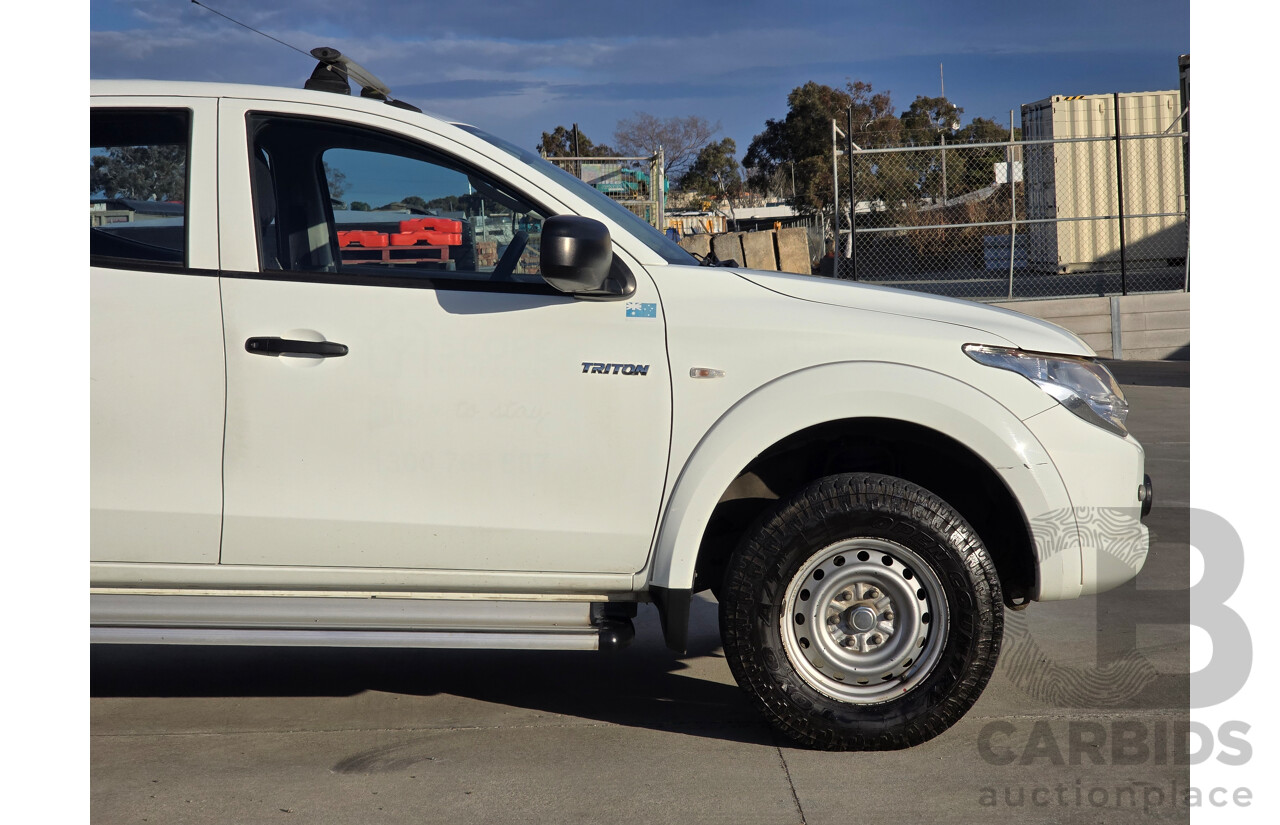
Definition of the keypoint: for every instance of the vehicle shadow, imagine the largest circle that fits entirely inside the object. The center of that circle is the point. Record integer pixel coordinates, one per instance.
(643, 686)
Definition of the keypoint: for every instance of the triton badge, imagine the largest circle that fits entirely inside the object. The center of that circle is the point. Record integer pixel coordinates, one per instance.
(614, 369)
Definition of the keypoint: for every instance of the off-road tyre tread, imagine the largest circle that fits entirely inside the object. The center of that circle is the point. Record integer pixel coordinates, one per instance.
(829, 510)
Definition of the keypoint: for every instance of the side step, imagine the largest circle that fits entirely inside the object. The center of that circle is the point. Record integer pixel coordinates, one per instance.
(320, 621)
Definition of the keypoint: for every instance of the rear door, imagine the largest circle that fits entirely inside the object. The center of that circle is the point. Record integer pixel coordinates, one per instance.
(156, 356)
(404, 391)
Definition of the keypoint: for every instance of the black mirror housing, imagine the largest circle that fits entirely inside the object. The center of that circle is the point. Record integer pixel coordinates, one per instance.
(576, 254)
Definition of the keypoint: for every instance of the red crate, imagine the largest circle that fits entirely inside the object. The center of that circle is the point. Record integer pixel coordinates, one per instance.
(437, 224)
(364, 237)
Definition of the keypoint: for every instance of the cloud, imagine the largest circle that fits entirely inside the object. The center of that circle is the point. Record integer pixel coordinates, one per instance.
(496, 62)
(409, 43)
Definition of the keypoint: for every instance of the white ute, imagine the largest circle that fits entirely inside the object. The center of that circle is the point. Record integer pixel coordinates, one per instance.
(361, 376)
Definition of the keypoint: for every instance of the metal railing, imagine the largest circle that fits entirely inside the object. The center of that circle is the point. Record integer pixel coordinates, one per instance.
(636, 183)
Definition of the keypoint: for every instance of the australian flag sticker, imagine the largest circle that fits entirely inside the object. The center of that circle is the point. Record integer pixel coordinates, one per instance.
(636, 309)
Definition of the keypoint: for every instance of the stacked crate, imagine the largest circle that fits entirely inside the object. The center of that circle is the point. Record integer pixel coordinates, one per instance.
(419, 240)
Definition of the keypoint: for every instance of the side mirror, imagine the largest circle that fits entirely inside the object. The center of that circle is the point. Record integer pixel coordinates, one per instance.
(576, 254)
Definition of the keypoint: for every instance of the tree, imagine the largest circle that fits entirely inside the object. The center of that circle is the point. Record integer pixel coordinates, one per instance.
(985, 130)
(412, 203)
(923, 124)
(978, 167)
(926, 121)
(445, 203)
(715, 172)
(802, 139)
(361, 206)
(928, 117)
(681, 139)
(336, 181)
(559, 144)
(142, 173)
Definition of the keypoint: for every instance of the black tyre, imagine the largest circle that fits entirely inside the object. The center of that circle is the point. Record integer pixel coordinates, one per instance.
(863, 613)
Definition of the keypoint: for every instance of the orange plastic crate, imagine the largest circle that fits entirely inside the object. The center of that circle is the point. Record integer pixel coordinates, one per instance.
(437, 224)
(365, 237)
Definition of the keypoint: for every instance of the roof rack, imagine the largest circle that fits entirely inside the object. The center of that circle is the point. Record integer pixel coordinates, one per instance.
(333, 70)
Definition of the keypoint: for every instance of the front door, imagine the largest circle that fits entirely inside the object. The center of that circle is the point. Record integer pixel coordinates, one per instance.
(404, 391)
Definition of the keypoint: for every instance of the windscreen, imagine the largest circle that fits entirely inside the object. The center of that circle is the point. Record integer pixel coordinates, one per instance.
(633, 223)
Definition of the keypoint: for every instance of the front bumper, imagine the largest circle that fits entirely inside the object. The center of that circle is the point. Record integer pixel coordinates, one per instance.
(1109, 492)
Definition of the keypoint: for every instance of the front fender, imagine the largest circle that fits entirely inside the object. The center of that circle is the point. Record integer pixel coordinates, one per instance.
(860, 389)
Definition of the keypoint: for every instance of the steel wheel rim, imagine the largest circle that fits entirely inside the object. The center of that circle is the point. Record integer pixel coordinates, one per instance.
(864, 620)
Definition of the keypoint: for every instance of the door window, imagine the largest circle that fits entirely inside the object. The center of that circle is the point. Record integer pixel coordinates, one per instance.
(138, 161)
(356, 203)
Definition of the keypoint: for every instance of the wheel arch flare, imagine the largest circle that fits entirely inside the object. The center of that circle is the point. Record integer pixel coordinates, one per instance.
(910, 398)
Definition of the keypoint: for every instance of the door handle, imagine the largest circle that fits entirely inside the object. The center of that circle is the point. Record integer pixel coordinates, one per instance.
(286, 346)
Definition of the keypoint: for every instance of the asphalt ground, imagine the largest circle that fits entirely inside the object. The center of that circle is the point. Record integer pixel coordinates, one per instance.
(1079, 724)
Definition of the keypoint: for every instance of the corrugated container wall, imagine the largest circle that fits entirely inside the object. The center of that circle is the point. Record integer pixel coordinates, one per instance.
(1071, 181)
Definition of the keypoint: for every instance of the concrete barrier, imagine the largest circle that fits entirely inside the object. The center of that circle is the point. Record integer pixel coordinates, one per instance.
(759, 250)
(699, 245)
(793, 250)
(781, 250)
(1131, 327)
(728, 247)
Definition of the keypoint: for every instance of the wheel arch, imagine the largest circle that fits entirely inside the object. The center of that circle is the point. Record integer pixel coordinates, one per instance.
(856, 416)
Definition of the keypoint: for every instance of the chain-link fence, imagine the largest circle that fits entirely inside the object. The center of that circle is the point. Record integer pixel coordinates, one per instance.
(1087, 214)
(637, 183)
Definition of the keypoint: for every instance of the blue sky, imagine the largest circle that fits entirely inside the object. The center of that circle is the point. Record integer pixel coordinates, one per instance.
(517, 68)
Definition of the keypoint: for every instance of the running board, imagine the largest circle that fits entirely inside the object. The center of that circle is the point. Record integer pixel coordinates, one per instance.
(358, 622)
(581, 640)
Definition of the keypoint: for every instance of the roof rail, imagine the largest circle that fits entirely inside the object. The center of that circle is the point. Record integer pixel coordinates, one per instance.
(333, 70)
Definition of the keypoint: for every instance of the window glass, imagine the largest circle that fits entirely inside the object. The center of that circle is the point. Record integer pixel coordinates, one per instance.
(138, 161)
(333, 198)
(640, 229)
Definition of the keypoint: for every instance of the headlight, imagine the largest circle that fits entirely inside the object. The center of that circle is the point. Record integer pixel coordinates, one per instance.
(1082, 385)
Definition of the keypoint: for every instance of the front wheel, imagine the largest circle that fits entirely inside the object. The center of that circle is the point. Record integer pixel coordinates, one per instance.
(864, 613)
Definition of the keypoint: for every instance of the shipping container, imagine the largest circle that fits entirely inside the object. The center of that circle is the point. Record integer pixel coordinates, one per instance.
(1075, 183)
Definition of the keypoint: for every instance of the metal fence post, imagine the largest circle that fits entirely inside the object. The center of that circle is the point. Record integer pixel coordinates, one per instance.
(659, 177)
(578, 167)
(835, 197)
(1013, 203)
(944, 169)
(1124, 284)
(853, 203)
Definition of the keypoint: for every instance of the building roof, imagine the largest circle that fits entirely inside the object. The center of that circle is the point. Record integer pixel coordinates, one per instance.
(142, 207)
(760, 213)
